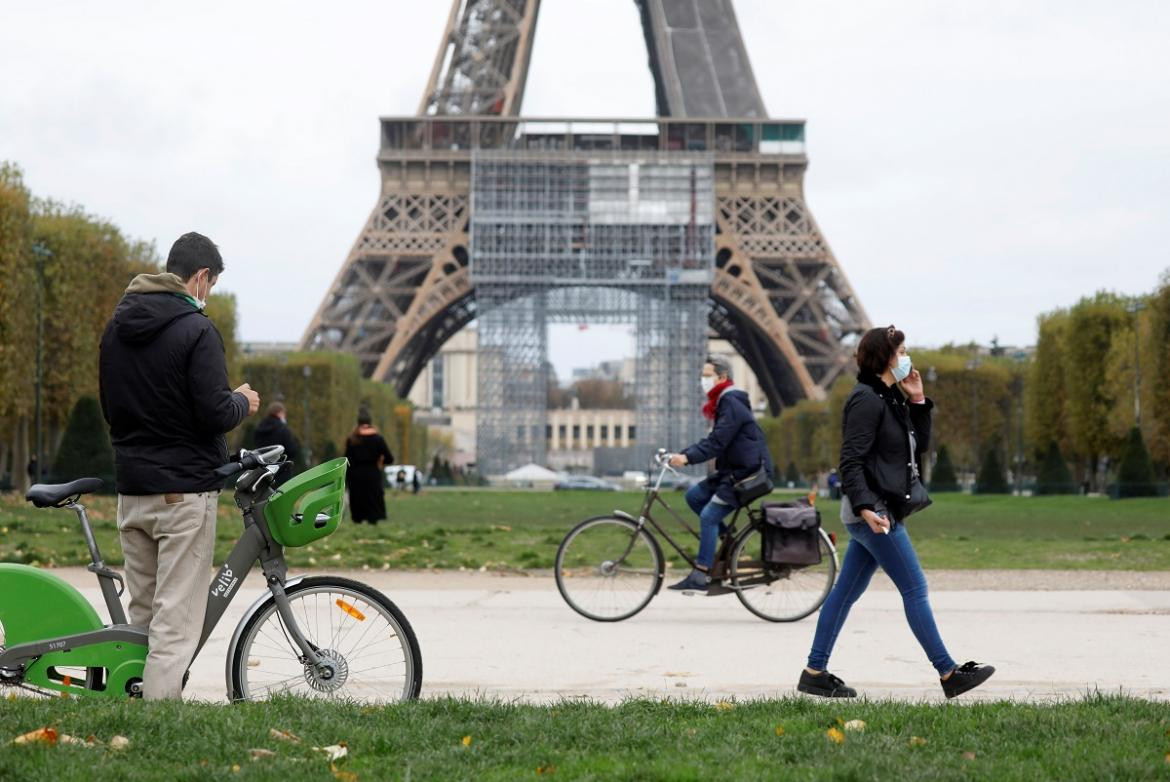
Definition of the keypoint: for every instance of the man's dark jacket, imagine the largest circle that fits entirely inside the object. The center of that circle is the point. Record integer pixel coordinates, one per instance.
(164, 390)
(736, 443)
(875, 444)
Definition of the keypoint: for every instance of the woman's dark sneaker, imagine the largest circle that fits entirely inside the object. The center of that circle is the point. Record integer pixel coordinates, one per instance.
(967, 676)
(825, 685)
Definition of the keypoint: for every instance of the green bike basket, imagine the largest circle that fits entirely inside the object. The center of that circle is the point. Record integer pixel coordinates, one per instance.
(292, 513)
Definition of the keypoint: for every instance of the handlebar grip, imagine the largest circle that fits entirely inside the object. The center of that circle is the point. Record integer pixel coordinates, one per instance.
(229, 469)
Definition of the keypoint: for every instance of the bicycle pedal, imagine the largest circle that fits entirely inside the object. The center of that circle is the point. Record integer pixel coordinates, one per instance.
(718, 589)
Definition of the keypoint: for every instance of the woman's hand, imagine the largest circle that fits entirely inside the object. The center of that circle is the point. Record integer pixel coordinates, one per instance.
(879, 524)
(912, 385)
(678, 460)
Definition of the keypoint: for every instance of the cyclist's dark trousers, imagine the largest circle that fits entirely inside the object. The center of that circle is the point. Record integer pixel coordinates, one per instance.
(711, 514)
(168, 541)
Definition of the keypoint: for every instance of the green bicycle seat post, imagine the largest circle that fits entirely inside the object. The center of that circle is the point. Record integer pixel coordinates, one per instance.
(106, 582)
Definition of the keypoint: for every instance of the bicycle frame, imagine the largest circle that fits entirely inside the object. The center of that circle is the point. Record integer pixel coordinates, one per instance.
(122, 647)
(654, 495)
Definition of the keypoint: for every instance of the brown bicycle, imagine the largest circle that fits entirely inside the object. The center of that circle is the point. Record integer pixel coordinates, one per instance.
(609, 568)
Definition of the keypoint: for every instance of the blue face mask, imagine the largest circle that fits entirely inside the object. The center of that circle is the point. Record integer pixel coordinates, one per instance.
(902, 371)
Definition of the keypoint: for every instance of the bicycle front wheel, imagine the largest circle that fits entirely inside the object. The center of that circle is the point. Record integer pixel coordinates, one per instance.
(608, 568)
(780, 593)
(370, 650)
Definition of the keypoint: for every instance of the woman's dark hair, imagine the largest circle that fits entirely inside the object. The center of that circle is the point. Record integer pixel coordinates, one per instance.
(192, 252)
(364, 417)
(877, 348)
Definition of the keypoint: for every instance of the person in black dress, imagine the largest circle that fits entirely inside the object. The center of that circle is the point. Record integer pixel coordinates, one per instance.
(368, 454)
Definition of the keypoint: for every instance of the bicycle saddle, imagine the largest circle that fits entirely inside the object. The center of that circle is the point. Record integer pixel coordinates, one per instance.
(44, 495)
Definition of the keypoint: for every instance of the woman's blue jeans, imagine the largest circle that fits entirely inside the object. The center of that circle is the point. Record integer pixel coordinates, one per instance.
(895, 555)
(711, 514)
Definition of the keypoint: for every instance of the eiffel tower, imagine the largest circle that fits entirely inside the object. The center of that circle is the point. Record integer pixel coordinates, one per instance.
(773, 287)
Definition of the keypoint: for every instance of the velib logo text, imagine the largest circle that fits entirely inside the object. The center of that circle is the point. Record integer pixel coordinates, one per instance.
(224, 583)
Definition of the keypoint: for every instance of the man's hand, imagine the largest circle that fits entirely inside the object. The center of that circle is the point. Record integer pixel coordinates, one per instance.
(678, 460)
(912, 385)
(879, 524)
(252, 397)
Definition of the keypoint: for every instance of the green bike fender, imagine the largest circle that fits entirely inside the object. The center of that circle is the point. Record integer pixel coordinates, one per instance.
(36, 604)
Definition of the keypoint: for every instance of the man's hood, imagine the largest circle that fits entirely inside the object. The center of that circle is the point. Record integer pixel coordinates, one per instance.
(152, 303)
(268, 423)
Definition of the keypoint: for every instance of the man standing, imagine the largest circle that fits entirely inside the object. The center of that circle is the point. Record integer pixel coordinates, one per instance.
(274, 430)
(165, 396)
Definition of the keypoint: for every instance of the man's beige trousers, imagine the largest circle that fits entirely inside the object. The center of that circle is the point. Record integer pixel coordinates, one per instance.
(168, 541)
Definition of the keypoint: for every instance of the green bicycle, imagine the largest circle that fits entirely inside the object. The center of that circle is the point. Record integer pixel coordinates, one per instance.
(317, 636)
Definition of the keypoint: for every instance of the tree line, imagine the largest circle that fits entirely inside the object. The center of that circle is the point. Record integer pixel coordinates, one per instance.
(1063, 414)
(72, 268)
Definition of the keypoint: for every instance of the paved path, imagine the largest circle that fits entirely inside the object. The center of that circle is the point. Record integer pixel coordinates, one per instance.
(1049, 633)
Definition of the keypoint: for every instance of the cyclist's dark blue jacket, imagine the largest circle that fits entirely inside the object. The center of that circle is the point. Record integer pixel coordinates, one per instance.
(164, 390)
(736, 443)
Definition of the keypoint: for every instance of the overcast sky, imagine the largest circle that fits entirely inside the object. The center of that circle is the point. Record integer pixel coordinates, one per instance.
(973, 164)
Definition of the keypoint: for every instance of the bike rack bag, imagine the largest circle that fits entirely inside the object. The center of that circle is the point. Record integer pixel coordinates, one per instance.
(308, 506)
(791, 533)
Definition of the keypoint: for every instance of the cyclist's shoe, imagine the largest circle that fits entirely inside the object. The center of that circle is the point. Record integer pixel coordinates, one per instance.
(967, 676)
(696, 582)
(824, 684)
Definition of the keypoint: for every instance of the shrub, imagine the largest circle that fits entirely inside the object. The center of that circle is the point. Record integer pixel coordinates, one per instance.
(1054, 476)
(1135, 477)
(991, 478)
(942, 477)
(85, 450)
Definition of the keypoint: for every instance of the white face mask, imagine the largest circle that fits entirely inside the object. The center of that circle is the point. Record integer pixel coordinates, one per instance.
(707, 382)
(902, 370)
(201, 302)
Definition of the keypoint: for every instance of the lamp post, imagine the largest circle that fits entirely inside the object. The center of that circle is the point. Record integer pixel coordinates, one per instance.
(972, 365)
(41, 252)
(931, 376)
(1020, 357)
(307, 371)
(1135, 306)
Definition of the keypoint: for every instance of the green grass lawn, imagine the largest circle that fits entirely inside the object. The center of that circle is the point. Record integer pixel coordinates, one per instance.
(1094, 738)
(514, 529)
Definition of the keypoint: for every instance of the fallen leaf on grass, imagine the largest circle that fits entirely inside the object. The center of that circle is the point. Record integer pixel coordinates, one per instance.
(38, 736)
(968, 756)
(235, 768)
(334, 751)
(119, 743)
(917, 741)
(501, 527)
(858, 725)
(724, 706)
(467, 741)
(549, 769)
(344, 776)
(260, 754)
(65, 738)
(779, 730)
(283, 735)
(835, 736)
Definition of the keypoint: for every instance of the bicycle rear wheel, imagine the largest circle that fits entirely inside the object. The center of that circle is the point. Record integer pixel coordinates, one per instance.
(608, 568)
(371, 649)
(780, 593)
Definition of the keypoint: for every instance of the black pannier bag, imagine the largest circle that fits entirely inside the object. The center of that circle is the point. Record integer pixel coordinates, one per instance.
(791, 533)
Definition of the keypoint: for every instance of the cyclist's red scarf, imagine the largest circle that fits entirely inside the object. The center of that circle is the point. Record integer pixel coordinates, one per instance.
(713, 398)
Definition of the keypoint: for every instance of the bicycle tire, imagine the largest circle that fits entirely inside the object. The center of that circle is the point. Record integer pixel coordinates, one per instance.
(582, 573)
(777, 581)
(341, 617)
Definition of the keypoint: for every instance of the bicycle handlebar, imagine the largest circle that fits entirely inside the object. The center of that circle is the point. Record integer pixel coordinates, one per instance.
(250, 460)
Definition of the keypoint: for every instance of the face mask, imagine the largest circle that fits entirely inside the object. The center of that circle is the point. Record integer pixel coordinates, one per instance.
(902, 371)
(201, 301)
(707, 383)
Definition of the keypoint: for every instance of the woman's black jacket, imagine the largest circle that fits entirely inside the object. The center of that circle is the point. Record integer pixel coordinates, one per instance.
(875, 447)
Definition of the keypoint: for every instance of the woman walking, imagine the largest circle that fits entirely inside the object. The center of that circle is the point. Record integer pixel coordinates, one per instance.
(736, 443)
(368, 454)
(886, 431)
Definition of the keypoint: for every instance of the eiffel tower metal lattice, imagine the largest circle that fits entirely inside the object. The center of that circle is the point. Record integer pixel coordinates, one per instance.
(775, 290)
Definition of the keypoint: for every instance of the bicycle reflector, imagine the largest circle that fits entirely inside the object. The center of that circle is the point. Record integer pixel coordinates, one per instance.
(308, 506)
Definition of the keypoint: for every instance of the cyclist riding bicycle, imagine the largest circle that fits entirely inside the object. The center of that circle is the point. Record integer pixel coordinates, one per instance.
(165, 396)
(736, 443)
